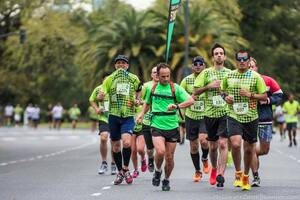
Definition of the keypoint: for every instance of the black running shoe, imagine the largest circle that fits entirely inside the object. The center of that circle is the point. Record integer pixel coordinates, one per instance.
(291, 144)
(295, 142)
(165, 185)
(150, 165)
(156, 178)
(256, 181)
(220, 181)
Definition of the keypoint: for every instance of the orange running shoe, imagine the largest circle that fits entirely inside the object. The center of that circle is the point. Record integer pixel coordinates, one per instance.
(206, 166)
(213, 176)
(197, 176)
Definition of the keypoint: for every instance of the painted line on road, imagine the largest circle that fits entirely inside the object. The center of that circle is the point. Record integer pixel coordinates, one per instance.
(106, 188)
(50, 154)
(288, 156)
(95, 194)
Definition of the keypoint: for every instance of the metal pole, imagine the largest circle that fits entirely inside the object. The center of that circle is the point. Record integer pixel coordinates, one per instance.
(186, 33)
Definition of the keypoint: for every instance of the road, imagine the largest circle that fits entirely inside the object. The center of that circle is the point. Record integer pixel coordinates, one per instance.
(47, 164)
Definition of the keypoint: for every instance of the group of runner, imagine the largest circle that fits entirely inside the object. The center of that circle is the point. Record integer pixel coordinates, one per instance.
(224, 109)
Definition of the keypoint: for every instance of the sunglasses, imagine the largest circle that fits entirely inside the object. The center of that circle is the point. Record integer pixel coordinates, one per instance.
(240, 59)
(198, 63)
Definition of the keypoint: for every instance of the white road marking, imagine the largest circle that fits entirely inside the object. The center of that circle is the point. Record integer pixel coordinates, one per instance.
(8, 139)
(95, 194)
(106, 188)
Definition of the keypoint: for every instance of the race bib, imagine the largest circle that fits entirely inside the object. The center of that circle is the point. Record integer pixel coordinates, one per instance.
(218, 101)
(241, 108)
(198, 106)
(123, 88)
(106, 105)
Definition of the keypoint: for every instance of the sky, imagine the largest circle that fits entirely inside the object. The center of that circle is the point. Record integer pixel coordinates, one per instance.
(140, 4)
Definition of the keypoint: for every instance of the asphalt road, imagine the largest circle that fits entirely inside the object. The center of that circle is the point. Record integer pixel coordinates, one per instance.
(43, 164)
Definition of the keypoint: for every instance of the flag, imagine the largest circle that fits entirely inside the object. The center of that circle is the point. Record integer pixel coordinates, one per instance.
(174, 7)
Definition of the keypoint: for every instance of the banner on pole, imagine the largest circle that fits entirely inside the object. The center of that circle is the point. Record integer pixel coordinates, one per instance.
(173, 9)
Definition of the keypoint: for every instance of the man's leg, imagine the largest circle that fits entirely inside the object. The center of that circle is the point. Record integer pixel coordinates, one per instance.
(141, 151)
(150, 148)
(160, 149)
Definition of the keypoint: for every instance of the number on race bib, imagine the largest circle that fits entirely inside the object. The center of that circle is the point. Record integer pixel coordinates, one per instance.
(218, 101)
(123, 88)
(198, 106)
(106, 105)
(241, 108)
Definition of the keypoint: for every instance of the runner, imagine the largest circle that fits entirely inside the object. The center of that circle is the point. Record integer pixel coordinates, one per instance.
(280, 120)
(74, 114)
(35, 116)
(18, 111)
(265, 122)
(57, 113)
(101, 110)
(8, 113)
(194, 120)
(291, 109)
(124, 90)
(146, 129)
(49, 116)
(28, 115)
(208, 82)
(162, 99)
(243, 88)
(138, 147)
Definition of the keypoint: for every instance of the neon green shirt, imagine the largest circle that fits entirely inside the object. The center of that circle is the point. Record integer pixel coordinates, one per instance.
(148, 115)
(197, 110)
(74, 113)
(215, 106)
(159, 104)
(291, 109)
(18, 110)
(243, 109)
(121, 86)
(101, 104)
(92, 113)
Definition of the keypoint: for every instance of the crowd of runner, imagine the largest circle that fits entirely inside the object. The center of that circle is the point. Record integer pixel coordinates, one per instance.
(228, 115)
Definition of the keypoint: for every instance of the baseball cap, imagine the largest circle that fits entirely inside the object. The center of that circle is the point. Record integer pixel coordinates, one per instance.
(198, 59)
(122, 57)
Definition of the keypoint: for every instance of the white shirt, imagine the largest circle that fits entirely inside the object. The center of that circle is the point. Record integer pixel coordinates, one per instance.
(36, 113)
(279, 114)
(29, 110)
(9, 110)
(57, 112)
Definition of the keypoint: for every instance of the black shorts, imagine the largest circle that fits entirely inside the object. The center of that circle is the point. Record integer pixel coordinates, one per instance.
(194, 128)
(169, 135)
(248, 130)
(57, 119)
(103, 127)
(216, 127)
(291, 126)
(146, 130)
(35, 121)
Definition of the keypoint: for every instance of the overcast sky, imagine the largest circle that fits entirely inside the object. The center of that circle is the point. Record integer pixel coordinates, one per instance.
(140, 4)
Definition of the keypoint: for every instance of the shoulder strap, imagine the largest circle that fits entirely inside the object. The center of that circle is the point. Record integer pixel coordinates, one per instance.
(173, 91)
(152, 92)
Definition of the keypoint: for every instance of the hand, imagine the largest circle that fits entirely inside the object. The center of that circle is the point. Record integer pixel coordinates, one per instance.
(214, 85)
(245, 93)
(138, 102)
(229, 99)
(139, 118)
(101, 96)
(99, 111)
(172, 107)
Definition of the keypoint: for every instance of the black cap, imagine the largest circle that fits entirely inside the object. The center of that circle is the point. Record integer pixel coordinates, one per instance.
(198, 59)
(122, 57)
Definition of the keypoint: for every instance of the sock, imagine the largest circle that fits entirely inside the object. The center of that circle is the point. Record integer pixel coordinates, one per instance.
(204, 153)
(118, 159)
(104, 162)
(195, 159)
(255, 174)
(150, 160)
(126, 155)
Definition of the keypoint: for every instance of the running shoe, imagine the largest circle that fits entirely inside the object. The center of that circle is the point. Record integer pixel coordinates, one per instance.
(150, 165)
(119, 178)
(295, 142)
(220, 181)
(144, 165)
(156, 178)
(238, 179)
(197, 176)
(206, 167)
(256, 181)
(103, 168)
(291, 144)
(128, 177)
(113, 169)
(135, 173)
(229, 159)
(213, 176)
(165, 185)
(246, 185)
